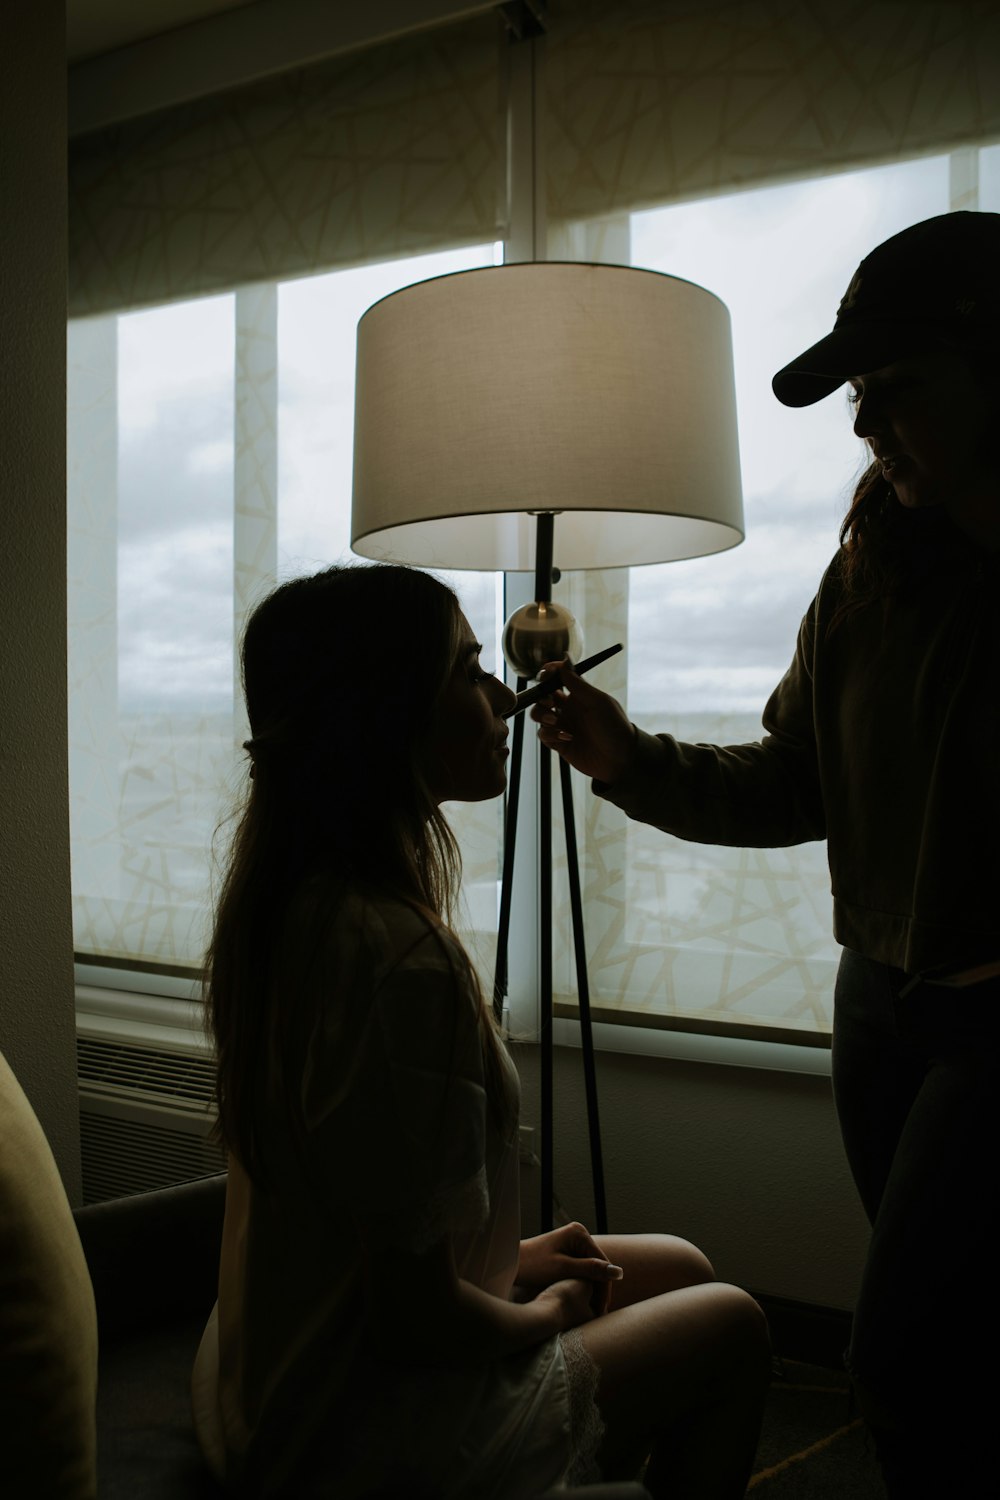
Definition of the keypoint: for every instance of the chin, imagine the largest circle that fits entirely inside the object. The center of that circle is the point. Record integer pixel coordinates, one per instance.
(916, 501)
(479, 794)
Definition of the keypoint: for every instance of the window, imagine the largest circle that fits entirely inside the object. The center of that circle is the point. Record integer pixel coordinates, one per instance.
(210, 453)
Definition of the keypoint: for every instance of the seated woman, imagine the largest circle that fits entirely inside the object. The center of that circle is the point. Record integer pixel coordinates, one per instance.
(380, 1329)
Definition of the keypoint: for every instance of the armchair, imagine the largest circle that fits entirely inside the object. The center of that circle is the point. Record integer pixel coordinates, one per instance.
(135, 1278)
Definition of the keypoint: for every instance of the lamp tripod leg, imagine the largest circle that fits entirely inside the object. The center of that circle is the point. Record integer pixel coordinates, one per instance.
(583, 989)
(500, 973)
(507, 874)
(546, 1058)
(545, 986)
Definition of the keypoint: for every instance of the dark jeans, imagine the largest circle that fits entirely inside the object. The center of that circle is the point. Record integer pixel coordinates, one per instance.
(916, 1086)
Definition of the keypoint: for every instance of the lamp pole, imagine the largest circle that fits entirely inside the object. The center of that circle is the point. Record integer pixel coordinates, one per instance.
(536, 633)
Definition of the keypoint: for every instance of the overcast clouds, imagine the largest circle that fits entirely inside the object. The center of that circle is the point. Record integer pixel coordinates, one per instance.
(713, 633)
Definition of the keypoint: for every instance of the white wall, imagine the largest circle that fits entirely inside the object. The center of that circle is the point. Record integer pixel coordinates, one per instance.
(37, 1033)
(746, 1163)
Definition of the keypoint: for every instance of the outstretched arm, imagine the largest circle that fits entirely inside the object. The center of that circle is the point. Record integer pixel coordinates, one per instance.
(765, 794)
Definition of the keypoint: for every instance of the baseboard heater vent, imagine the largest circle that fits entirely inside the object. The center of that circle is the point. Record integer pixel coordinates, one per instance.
(147, 1084)
(124, 1153)
(171, 1077)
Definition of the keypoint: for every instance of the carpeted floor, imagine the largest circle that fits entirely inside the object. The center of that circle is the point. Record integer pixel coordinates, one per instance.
(813, 1445)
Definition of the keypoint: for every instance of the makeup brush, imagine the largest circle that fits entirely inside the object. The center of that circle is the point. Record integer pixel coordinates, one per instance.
(552, 682)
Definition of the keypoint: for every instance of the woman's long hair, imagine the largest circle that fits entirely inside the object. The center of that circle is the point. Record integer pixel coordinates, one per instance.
(871, 544)
(343, 674)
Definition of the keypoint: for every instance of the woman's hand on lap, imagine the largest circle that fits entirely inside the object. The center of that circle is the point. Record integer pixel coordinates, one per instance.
(566, 1253)
(573, 1300)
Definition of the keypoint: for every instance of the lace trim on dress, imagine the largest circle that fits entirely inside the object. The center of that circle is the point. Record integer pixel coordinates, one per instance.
(451, 1209)
(586, 1425)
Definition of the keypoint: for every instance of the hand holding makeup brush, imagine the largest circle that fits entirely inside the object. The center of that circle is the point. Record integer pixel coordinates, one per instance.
(588, 728)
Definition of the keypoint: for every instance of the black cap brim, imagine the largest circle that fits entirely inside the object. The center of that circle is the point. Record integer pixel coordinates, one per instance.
(853, 349)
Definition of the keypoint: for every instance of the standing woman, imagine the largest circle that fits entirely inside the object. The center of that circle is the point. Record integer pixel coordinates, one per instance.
(883, 737)
(380, 1328)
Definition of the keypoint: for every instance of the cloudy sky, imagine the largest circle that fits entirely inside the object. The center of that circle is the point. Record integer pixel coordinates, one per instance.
(706, 635)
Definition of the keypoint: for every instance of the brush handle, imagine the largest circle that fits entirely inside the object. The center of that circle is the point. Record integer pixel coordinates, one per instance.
(552, 683)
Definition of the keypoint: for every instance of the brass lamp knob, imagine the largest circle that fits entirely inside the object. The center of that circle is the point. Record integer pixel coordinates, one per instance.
(537, 633)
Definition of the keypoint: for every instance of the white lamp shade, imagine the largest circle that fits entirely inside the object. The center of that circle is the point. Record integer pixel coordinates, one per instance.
(603, 393)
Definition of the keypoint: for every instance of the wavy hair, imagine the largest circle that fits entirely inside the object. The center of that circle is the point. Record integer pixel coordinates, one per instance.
(343, 674)
(871, 544)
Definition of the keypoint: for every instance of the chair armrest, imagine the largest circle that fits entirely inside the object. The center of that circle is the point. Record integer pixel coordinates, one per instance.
(154, 1256)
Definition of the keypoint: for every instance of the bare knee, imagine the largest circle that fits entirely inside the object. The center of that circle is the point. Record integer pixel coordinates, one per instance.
(702, 1351)
(655, 1263)
(745, 1326)
(733, 1327)
(692, 1264)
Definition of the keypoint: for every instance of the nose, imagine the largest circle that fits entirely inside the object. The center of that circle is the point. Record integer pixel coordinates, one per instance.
(503, 697)
(867, 416)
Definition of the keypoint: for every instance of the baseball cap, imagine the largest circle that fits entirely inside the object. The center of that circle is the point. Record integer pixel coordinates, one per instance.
(935, 285)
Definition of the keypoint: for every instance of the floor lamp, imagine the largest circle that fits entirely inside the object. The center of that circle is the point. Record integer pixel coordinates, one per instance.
(511, 416)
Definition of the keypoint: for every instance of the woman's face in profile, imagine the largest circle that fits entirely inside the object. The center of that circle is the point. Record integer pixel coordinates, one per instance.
(931, 426)
(467, 753)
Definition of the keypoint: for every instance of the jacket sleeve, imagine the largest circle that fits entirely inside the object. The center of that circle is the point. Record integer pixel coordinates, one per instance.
(761, 795)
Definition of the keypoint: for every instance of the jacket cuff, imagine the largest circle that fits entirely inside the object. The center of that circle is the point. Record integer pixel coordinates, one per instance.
(648, 763)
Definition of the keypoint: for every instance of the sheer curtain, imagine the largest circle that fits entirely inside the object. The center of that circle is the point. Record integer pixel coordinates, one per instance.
(210, 458)
(209, 431)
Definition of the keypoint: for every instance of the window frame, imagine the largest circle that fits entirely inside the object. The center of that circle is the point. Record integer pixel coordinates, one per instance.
(686, 1037)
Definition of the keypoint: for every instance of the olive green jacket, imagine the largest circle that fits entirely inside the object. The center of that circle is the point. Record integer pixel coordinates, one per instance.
(883, 737)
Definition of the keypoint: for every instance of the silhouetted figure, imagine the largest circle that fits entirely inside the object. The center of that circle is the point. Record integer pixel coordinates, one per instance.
(883, 738)
(380, 1328)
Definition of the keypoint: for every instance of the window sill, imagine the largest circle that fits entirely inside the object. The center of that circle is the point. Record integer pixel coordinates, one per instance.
(110, 975)
(693, 1046)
